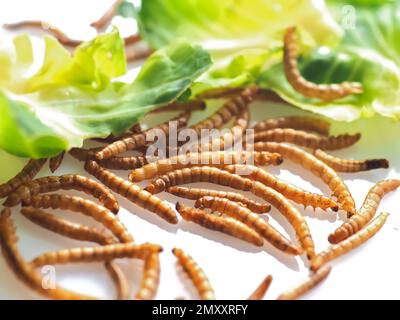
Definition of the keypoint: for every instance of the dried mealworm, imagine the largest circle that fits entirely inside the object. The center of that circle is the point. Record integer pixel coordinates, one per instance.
(132, 192)
(106, 18)
(309, 284)
(326, 92)
(196, 193)
(65, 182)
(87, 207)
(350, 243)
(215, 159)
(305, 123)
(306, 139)
(251, 219)
(151, 278)
(55, 162)
(316, 167)
(344, 165)
(366, 212)
(23, 270)
(228, 226)
(290, 191)
(196, 274)
(26, 174)
(261, 290)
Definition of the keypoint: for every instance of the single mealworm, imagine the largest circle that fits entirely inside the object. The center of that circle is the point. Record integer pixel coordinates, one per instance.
(86, 207)
(261, 290)
(344, 165)
(26, 174)
(55, 162)
(252, 220)
(64, 182)
(228, 226)
(141, 139)
(366, 212)
(196, 274)
(326, 92)
(215, 159)
(309, 284)
(306, 139)
(350, 243)
(290, 191)
(191, 105)
(132, 54)
(106, 18)
(132, 192)
(151, 278)
(23, 270)
(119, 279)
(305, 123)
(317, 168)
(196, 193)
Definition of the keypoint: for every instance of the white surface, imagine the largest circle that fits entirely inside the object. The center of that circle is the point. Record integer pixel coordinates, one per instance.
(234, 268)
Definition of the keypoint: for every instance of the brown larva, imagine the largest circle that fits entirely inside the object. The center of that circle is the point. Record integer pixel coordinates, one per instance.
(65, 182)
(151, 278)
(119, 279)
(196, 274)
(55, 162)
(107, 17)
(23, 270)
(132, 192)
(306, 139)
(196, 193)
(366, 212)
(261, 290)
(252, 220)
(290, 191)
(344, 165)
(225, 225)
(305, 123)
(325, 92)
(309, 284)
(350, 243)
(316, 167)
(191, 105)
(26, 174)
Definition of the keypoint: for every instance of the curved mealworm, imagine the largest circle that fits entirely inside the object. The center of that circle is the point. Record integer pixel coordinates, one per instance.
(151, 278)
(55, 162)
(191, 105)
(306, 139)
(344, 165)
(65, 182)
(196, 274)
(196, 193)
(350, 243)
(26, 174)
(106, 18)
(86, 207)
(119, 279)
(252, 220)
(366, 212)
(305, 123)
(309, 284)
(326, 92)
(228, 226)
(261, 290)
(132, 192)
(317, 168)
(23, 270)
(215, 159)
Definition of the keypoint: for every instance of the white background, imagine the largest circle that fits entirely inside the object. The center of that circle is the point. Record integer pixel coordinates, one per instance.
(234, 268)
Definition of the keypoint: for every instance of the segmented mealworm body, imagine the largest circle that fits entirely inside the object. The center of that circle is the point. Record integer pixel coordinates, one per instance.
(344, 165)
(215, 159)
(23, 270)
(26, 174)
(252, 220)
(191, 105)
(350, 243)
(196, 274)
(326, 92)
(305, 123)
(261, 290)
(290, 191)
(316, 167)
(366, 212)
(306, 139)
(151, 278)
(132, 192)
(228, 226)
(65, 182)
(196, 193)
(87, 207)
(55, 162)
(309, 284)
